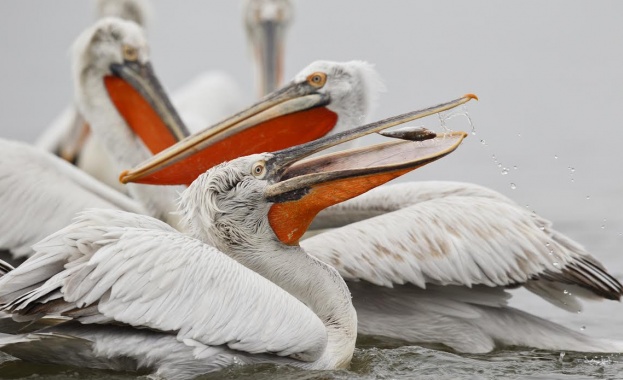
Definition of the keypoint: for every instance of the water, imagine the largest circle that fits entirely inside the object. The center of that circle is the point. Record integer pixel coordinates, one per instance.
(406, 362)
(541, 87)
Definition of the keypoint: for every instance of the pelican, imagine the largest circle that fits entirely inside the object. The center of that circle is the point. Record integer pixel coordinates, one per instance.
(266, 22)
(235, 287)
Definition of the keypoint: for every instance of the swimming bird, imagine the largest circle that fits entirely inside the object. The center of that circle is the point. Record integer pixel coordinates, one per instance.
(234, 288)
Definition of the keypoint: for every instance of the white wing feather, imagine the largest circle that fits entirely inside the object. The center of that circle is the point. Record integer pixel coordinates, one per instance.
(41, 193)
(139, 271)
(451, 234)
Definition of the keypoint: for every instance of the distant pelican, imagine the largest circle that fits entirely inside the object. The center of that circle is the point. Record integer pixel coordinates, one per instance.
(266, 23)
(148, 297)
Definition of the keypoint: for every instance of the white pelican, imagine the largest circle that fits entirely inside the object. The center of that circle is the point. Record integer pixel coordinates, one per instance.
(148, 297)
(266, 22)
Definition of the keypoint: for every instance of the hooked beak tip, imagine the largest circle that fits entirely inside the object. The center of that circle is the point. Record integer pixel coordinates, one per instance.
(123, 177)
(471, 96)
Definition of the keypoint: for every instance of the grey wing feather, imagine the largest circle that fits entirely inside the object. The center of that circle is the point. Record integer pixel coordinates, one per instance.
(41, 193)
(448, 234)
(107, 269)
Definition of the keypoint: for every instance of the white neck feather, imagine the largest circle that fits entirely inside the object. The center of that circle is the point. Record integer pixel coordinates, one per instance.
(244, 234)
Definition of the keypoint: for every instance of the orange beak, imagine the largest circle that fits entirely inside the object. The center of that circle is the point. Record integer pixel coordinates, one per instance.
(305, 188)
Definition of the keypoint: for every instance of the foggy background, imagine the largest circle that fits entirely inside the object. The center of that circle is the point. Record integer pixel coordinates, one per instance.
(549, 76)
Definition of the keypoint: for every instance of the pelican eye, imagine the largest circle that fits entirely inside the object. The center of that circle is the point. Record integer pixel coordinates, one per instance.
(317, 79)
(130, 53)
(259, 169)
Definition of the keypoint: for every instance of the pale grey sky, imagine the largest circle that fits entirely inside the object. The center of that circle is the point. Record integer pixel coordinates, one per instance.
(549, 76)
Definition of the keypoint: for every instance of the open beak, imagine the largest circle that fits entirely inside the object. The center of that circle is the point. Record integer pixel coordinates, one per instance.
(142, 102)
(291, 116)
(300, 189)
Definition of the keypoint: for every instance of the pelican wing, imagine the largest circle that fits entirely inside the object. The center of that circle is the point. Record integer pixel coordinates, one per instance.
(42, 193)
(457, 238)
(112, 266)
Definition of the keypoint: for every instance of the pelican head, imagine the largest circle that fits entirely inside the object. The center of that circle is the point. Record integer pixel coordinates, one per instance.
(116, 88)
(266, 23)
(323, 99)
(353, 89)
(138, 11)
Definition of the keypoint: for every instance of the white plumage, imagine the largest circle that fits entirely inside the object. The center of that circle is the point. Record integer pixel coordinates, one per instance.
(43, 193)
(429, 262)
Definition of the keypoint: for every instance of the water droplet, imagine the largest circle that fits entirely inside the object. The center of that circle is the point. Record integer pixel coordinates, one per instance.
(546, 243)
(555, 157)
(543, 229)
(499, 165)
(513, 186)
(588, 197)
(483, 142)
(571, 170)
(504, 171)
(565, 291)
(515, 167)
(572, 180)
(620, 233)
(562, 356)
(557, 265)
(603, 226)
(519, 135)
(582, 328)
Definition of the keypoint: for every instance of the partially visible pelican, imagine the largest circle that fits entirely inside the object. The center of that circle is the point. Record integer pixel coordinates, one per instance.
(148, 297)
(266, 23)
